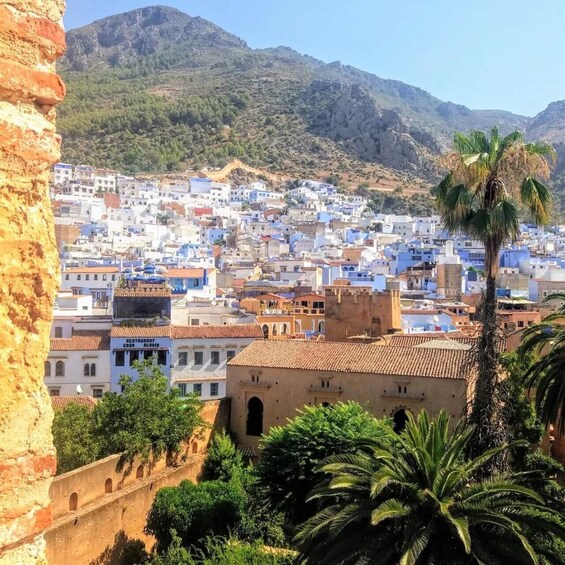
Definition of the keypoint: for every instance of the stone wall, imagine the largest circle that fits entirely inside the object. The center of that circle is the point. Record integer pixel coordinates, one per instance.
(359, 311)
(99, 511)
(31, 39)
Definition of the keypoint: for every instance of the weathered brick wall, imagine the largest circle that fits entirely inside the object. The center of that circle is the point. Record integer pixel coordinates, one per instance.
(31, 39)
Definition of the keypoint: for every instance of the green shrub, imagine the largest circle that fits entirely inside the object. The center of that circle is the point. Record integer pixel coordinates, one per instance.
(195, 511)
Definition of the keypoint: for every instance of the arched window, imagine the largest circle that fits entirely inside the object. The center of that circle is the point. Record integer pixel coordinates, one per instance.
(73, 502)
(194, 447)
(322, 326)
(284, 329)
(265, 329)
(399, 420)
(254, 417)
(60, 369)
(275, 329)
(93, 369)
(47, 369)
(108, 486)
(86, 370)
(139, 472)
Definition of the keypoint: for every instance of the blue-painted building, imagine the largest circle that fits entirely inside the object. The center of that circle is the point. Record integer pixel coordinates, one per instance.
(128, 345)
(512, 257)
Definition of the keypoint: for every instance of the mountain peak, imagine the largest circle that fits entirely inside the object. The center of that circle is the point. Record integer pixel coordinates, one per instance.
(124, 39)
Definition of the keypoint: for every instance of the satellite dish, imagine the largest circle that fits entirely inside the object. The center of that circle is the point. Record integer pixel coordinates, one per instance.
(79, 389)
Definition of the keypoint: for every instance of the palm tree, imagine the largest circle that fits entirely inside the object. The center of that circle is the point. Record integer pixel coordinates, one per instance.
(413, 500)
(489, 181)
(547, 373)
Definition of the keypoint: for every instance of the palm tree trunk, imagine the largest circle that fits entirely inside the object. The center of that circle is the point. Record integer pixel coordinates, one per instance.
(487, 403)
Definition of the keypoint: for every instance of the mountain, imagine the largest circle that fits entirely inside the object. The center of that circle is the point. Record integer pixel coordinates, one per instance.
(155, 89)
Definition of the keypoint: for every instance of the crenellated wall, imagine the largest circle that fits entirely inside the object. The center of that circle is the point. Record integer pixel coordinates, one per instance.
(31, 39)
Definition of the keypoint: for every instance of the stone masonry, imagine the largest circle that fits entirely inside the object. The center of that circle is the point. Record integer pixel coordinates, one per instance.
(31, 39)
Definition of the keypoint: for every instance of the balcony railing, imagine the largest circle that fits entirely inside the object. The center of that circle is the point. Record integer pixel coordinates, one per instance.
(320, 388)
(255, 384)
(404, 395)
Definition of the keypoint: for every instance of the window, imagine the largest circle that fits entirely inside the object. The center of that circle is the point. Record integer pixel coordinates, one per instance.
(198, 358)
(47, 369)
(113, 277)
(60, 369)
(58, 331)
(93, 369)
(95, 277)
(86, 371)
(120, 358)
(183, 358)
(195, 322)
(162, 357)
(215, 358)
(133, 356)
(78, 277)
(182, 389)
(66, 277)
(197, 389)
(214, 389)
(54, 392)
(104, 277)
(97, 392)
(87, 277)
(231, 355)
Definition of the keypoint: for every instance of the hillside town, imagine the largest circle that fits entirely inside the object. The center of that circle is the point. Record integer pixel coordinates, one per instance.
(260, 308)
(196, 272)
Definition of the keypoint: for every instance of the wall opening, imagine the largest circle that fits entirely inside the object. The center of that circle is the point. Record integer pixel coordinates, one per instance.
(73, 502)
(254, 417)
(108, 486)
(265, 329)
(139, 472)
(194, 447)
(399, 420)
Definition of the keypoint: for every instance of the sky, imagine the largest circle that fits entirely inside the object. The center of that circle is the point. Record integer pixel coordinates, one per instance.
(485, 54)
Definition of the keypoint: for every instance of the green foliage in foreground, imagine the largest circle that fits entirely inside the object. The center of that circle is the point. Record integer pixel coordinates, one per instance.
(146, 419)
(195, 511)
(546, 340)
(223, 461)
(74, 437)
(290, 454)
(223, 551)
(413, 499)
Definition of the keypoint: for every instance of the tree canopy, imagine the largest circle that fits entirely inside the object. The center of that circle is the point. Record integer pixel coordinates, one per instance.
(414, 499)
(290, 454)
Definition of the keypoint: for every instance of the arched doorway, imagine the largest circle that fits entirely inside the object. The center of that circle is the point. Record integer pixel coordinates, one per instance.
(254, 417)
(274, 330)
(399, 420)
(265, 329)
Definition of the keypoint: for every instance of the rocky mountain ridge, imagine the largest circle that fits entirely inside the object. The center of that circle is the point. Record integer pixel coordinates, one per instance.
(300, 113)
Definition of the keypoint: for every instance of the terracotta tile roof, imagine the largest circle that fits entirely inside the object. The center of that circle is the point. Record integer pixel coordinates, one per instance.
(218, 332)
(153, 331)
(412, 340)
(83, 340)
(92, 270)
(60, 402)
(355, 358)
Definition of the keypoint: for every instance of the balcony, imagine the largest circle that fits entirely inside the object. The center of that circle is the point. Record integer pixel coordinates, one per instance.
(404, 396)
(329, 389)
(255, 384)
